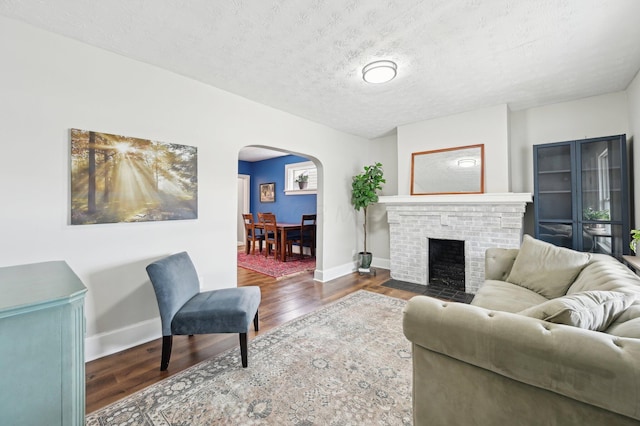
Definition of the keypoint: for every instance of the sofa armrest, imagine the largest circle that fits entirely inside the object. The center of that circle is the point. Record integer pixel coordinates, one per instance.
(588, 366)
(498, 263)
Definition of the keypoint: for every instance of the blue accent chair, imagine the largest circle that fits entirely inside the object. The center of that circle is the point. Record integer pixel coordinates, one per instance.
(184, 310)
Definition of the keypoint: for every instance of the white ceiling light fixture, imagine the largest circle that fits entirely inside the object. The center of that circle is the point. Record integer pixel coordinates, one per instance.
(466, 162)
(379, 72)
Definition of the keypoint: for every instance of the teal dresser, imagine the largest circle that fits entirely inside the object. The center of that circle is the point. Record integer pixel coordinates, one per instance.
(41, 345)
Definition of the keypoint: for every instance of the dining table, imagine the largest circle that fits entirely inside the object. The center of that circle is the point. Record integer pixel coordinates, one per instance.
(283, 228)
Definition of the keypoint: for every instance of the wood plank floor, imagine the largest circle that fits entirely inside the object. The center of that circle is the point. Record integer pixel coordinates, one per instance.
(115, 376)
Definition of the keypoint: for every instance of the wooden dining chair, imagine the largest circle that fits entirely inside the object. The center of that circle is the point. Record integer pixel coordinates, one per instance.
(253, 234)
(305, 237)
(271, 235)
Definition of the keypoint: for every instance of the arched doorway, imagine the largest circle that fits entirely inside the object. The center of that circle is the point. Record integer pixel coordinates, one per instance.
(279, 169)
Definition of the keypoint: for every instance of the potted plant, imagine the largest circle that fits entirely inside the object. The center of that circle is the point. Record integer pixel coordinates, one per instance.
(635, 237)
(591, 214)
(302, 180)
(363, 193)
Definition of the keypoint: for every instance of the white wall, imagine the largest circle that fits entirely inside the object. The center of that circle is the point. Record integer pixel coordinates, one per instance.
(385, 151)
(488, 126)
(49, 84)
(633, 99)
(596, 116)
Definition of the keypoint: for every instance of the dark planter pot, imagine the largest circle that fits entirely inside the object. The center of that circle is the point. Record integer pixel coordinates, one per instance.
(302, 185)
(364, 260)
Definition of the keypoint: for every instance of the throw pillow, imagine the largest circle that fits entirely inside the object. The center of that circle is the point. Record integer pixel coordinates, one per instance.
(593, 310)
(546, 269)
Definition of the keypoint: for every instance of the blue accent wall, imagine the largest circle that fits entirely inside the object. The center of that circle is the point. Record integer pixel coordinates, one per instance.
(245, 167)
(287, 208)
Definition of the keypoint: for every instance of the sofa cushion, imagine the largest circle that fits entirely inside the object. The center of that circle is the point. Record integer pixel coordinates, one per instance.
(593, 310)
(545, 268)
(606, 273)
(627, 324)
(504, 296)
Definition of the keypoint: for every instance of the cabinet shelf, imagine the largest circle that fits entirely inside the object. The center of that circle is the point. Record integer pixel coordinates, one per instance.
(547, 172)
(595, 169)
(586, 191)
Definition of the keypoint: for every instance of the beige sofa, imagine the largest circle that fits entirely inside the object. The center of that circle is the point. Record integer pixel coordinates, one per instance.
(495, 363)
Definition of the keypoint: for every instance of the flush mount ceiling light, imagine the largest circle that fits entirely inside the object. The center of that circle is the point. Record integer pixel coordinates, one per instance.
(466, 162)
(379, 72)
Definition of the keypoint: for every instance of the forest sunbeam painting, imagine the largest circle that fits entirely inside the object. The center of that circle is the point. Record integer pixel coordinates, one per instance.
(123, 179)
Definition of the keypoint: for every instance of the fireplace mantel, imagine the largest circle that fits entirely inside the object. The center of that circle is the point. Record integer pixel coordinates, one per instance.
(487, 198)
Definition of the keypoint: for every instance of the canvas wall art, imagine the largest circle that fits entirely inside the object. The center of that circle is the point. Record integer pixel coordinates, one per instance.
(123, 179)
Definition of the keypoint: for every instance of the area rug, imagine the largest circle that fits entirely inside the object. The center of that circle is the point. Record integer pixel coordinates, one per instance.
(347, 363)
(273, 268)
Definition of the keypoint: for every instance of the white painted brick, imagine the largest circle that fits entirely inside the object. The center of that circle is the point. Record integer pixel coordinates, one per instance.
(481, 226)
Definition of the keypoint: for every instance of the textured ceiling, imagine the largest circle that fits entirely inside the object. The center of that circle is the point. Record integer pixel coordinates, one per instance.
(306, 56)
(252, 153)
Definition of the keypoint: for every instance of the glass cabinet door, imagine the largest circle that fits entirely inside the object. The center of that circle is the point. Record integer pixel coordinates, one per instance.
(600, 198)
(554, 195)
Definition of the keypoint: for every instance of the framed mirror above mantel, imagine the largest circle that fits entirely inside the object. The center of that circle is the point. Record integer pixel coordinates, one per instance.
(458, 170)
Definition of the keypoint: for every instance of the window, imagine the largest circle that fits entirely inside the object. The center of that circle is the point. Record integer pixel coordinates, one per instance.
(604, 200)
(293, 171)
(603, 180)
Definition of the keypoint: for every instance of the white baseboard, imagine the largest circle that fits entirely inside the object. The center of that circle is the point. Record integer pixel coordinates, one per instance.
(103, 344)
(336, 272)
(346, 269)
(108, 343)
(381, 263)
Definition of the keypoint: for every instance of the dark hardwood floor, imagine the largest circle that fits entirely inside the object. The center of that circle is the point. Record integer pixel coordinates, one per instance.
(116, 376)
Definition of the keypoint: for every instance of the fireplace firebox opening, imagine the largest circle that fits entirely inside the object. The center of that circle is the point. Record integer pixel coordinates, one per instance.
(446, 263)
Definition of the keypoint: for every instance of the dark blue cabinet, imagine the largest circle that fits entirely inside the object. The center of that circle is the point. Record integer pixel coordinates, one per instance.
(581, 194)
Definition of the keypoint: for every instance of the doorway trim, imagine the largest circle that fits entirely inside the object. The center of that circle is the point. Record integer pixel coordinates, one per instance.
(244, 201)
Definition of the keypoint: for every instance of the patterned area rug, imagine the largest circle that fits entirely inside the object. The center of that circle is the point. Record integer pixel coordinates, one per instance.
(347, 363)
(273, 268)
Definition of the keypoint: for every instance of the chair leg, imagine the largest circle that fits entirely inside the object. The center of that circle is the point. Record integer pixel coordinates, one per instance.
(243, 349)
(167, 342)
(255, 322)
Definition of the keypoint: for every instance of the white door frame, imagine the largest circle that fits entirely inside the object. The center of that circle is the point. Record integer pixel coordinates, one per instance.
(244, 201)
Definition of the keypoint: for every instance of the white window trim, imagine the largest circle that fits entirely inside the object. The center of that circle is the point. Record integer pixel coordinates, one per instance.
(291, 187)
(603, 180)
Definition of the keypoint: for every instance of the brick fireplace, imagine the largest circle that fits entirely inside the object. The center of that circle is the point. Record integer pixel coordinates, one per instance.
(479, 220)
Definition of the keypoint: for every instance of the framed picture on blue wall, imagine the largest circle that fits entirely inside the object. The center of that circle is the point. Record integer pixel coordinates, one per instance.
(268, 192)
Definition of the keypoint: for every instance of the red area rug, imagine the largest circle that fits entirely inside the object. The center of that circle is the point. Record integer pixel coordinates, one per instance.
(273, 268)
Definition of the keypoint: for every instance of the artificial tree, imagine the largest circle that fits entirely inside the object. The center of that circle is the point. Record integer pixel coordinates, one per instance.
(364, 187)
